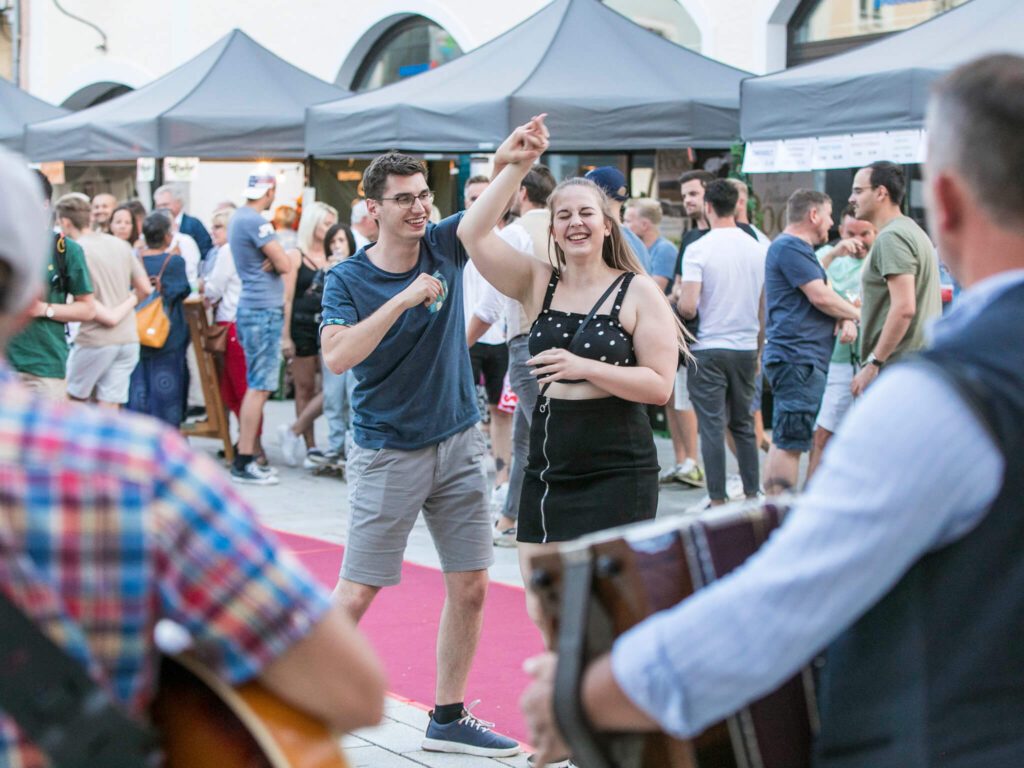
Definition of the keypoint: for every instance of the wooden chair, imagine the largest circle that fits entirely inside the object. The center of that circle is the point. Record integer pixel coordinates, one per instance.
(216, 423)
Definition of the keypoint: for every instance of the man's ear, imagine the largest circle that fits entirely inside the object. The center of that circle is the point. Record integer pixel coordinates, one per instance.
(949, 202)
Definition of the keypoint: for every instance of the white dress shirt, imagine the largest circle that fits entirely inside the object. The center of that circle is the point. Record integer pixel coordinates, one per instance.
(910, 470)
(223, 284)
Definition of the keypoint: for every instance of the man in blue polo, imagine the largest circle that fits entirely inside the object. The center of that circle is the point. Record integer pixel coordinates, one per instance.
(803, 317)
(393, 313)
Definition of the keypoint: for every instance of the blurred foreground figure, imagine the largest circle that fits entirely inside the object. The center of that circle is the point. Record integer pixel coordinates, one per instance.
(110, 523)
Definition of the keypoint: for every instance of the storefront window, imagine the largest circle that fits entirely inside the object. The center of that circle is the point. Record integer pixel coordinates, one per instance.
(412, 46)
(825, 27)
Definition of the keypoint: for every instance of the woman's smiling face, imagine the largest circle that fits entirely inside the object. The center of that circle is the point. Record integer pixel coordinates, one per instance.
(578, 221)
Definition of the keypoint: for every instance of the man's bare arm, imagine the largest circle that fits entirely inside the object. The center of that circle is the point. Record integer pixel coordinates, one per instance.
(81, 310)
(331, 673)
(689, 298)
(111, 316)
(476, 329)
(345, 346)
(828, 301)
(902, 308)
(278, 257)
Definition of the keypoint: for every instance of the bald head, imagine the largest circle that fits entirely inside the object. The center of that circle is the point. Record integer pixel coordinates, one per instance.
(103, 206)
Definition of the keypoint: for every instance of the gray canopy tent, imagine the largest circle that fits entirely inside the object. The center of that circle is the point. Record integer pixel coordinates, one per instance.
(606, 83)
(18, 109)
(235, 100)
(882, 86)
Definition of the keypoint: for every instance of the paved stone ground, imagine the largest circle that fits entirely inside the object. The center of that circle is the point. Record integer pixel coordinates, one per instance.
(318, 506)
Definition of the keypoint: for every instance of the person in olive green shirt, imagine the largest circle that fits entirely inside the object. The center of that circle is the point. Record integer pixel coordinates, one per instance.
(900, 292)
(40, 352)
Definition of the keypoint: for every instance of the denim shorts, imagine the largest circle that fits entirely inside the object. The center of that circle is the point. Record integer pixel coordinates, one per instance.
(797, 390)
(259, 331)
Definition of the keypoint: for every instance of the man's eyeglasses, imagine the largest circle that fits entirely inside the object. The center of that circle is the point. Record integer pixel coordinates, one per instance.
(407, 200)
(858, 190)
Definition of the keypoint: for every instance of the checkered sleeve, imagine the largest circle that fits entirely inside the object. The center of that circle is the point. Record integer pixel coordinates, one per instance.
(243, 599)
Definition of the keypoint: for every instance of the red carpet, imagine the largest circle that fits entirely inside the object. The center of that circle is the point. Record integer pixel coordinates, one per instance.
(402, 625)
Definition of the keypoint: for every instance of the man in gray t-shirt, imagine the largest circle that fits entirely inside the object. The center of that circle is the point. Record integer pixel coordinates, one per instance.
(261, 321)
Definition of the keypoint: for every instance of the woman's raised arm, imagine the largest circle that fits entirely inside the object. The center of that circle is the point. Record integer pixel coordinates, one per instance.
(508, 270)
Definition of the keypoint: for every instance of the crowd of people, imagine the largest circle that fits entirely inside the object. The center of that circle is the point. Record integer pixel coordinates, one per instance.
(564, 302)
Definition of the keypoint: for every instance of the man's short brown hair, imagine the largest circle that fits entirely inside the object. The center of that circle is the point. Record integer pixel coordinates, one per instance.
(539, 184)
(75, 207)
(375, 177)
(802, 201)
(704, 177)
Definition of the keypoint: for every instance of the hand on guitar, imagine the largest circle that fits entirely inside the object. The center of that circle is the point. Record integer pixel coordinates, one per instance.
(537, 705)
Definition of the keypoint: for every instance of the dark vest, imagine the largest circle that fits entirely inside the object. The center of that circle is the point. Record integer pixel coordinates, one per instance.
(933, 675)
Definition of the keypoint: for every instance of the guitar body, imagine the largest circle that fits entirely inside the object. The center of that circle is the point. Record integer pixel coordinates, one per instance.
(595, 589)
(205, 723)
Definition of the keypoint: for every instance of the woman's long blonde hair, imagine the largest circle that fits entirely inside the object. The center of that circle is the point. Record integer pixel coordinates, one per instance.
(615, 252)
(312, 216)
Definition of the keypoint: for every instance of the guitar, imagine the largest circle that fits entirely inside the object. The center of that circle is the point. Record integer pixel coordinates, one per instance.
(594, 589)
(205, 723)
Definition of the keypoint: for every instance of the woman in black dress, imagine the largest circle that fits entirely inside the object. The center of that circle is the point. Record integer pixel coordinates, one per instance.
(304, 288)
(605, 344)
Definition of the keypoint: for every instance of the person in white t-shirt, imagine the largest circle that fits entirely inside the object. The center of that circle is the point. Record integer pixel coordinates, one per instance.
(723, 287)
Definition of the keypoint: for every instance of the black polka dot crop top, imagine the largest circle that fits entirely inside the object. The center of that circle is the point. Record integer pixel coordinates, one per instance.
(603, 339)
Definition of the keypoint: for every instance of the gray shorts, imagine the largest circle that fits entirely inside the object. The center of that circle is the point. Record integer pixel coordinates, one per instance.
(102, 371)
(387, 488)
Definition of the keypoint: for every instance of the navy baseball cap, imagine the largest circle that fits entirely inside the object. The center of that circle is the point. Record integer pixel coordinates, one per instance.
(610, 179)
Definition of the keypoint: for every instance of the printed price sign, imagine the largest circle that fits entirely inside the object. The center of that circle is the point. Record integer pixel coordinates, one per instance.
(181, 168)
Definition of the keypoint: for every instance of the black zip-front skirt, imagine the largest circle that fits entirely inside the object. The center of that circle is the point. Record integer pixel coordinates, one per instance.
(592, 465)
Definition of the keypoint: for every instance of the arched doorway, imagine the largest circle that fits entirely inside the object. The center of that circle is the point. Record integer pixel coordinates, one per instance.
(820, 28)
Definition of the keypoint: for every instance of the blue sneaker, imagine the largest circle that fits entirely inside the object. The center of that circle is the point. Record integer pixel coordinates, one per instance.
(468, 736)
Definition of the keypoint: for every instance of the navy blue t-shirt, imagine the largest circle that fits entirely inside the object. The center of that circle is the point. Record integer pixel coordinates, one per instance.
(796, 331)
(416, 388)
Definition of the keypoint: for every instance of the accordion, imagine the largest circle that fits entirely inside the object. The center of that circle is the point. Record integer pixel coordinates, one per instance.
(594, 589)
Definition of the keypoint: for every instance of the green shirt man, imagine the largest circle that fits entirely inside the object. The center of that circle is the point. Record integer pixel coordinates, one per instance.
(901, 248)
(40, 351)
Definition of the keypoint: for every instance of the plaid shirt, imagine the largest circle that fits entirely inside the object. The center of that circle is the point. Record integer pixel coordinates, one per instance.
(109, 523)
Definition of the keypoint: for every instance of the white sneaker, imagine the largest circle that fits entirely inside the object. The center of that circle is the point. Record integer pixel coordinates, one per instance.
(293, 447)
(252, 475)
(670, 475)
(734, 487)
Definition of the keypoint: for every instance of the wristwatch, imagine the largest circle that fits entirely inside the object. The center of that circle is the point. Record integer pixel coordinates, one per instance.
(49, 311)
(875, 361)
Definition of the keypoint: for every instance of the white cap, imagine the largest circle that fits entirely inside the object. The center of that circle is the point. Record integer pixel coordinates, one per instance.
(258, 185)
(24, 236)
